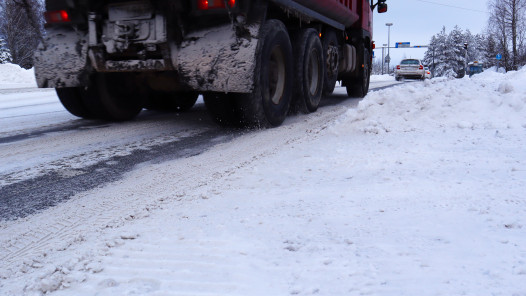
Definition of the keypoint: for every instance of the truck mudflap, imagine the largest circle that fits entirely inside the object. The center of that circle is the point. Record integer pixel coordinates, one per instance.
(61, 60)
(218, 59)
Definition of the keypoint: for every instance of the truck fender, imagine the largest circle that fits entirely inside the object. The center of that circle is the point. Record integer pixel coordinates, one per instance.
(61, 60)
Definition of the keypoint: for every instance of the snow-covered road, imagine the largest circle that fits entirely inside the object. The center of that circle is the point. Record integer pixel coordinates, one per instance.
(416, 190)
(49, 155)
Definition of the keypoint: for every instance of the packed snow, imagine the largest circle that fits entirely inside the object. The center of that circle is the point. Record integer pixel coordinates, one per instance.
(383, 77)
(12, 76)
(418, 190)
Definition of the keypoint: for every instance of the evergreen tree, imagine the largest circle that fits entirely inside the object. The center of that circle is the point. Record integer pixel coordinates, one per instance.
(446, 55)
(429, 55)
(435, 55)
(475, 47)
(479, 47)
(456, 54)
(490, 51)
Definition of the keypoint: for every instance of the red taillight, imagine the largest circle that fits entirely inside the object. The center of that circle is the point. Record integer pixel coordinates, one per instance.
(213, 4)
(398, 67)
(57, 16)
(421, 67)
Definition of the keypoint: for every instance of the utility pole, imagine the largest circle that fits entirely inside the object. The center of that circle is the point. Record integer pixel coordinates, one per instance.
(465, 58)
(388, 45)
(433, 61)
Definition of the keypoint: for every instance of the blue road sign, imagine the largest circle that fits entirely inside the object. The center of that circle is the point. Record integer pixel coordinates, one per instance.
(403, 44)
(499, 57)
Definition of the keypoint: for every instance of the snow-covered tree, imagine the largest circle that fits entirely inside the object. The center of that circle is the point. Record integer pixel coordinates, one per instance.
(21, 26)
(435, 55)
(490, 51)
(476, 44)
(5, 55)
(507, 26)
(455, 53)
(447, 55)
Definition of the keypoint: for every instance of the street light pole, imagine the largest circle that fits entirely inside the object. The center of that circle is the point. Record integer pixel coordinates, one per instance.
(388, 45)
(383, 58)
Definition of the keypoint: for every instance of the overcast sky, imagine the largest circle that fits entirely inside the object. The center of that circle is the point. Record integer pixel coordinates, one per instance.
(416, 21)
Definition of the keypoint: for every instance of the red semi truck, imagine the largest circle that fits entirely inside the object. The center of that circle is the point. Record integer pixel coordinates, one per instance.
(254, 61)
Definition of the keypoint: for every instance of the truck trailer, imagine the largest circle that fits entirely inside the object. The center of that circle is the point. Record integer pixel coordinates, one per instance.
(254, 61)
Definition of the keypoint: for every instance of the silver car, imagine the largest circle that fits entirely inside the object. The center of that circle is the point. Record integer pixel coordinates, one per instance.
(410, 68)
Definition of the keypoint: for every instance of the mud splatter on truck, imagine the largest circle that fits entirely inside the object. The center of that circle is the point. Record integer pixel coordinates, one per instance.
(253, 61)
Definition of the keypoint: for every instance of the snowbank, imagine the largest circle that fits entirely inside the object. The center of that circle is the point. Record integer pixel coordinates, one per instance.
(488, 100)
(12, 76)
(384, 77)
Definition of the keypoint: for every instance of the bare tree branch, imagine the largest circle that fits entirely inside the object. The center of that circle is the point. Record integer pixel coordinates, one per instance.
(507, 27)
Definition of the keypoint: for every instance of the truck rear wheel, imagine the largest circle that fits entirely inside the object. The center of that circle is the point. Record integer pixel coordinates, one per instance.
(331, 55)
(269, 103)
(113, 96)
(359, 87)
(71, 99)
(308, 71)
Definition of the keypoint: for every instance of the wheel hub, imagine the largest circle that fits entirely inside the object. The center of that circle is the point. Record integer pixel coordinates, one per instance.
(276, 75)
(313, 72)
(332, 61)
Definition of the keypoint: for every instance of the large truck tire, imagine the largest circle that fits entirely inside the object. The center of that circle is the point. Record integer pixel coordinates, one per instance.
(359, 87)
(222, 109)
(331, 55)
(114, 96)
(269, 103)
(170, 101)
(309, 71)
(72, 99)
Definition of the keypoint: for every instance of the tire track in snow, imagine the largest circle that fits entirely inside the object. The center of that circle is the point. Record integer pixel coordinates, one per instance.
(187, 269)
(31, 196)
(67, 228)
(76, 125)
(45, 238)
(53, 236)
